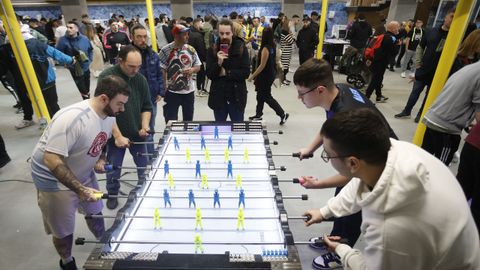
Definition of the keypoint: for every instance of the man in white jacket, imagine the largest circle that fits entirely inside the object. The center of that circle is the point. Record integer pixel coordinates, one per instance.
(414, 212)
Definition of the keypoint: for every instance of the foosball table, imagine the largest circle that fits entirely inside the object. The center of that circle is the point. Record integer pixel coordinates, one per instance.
(210, 200)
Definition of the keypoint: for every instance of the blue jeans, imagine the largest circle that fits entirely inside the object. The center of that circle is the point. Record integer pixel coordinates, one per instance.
(174, 101)
(417, 89)
(115, 157)
(151, 146)
(231, 110)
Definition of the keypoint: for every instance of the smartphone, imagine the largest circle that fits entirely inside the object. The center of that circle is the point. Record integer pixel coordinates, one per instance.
(224, 48)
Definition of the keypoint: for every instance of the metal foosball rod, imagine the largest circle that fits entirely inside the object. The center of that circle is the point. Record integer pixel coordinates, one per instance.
(213, 180)
(302, 197)
(82, 241)
(110, 167)
(190, 217)
(231, 154)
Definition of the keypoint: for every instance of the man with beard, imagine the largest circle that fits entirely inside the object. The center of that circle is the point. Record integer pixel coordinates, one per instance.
(228, 67)
(78, 45)
(134, 123)
(179, 61)
(150, 69)
(64, 160)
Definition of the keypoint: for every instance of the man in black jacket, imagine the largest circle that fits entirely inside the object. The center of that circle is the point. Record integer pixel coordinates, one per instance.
(307, 40)
(427, 56)
(359, 33)
(197, 41)
(381, 60)
(228, 67)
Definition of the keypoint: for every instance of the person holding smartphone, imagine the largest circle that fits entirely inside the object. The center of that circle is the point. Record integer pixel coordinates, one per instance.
(228, 67)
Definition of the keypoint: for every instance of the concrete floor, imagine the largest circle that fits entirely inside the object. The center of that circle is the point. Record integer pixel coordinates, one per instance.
(24, 242)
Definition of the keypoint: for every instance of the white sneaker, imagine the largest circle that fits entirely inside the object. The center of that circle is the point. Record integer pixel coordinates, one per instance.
(24, 124)
(403, 75)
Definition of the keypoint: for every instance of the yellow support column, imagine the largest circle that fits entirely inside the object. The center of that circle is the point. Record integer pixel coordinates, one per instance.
(449, 53)
(151, 24)
(23, 60)
(321, 30)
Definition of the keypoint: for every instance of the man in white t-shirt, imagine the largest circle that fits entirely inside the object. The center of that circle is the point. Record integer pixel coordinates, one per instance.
(64, 160)
(179, 61)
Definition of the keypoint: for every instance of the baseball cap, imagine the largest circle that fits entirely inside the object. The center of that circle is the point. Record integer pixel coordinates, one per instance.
(178, 29)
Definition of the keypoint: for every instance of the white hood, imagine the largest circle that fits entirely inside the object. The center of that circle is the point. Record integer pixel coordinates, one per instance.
(397, 187)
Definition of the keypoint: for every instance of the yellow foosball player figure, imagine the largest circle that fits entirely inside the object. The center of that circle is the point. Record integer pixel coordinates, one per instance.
(241, 219)
(188, 156)
(198, 219)
(198, 243)
(156, 219)
(204, 181)
(207, 156)
(170, 181)
(226, 154)
(238, 182)
(245, 155)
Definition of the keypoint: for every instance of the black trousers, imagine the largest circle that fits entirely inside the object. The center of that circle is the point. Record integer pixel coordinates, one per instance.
(173, 103)
(347, 227)
(469, 178)
(82, 83)
(51, 99)
(25, 101)
(264, 95)
(376, 83)
(304, 55)
(201, 78)
(442, 145)
(400, 55)
(4, 158)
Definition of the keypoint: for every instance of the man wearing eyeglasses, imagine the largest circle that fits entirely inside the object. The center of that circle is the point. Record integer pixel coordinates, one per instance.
(413, 209)
(316, 88)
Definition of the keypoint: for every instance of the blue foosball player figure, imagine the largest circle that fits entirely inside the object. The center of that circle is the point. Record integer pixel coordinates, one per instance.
(230, 143)
(241, 198)
(203, 145)
(215, 133)
(230, 169)
(216, 198)
(191, 199)
(166, 198)
(166, 168)
(175, 143)
(197, 169)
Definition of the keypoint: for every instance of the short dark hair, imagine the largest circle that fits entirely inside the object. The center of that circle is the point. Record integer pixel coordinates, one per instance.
(314, 13)
(136, 27)
(233, 15)
(111, 86)
(226, 22)
(125, 50)
(84, 16)
(361, 133)
(295, 16)
(162, 16)
(73, 22)
(314, 72)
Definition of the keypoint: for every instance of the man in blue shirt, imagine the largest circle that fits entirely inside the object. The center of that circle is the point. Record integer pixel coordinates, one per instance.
(78, 45)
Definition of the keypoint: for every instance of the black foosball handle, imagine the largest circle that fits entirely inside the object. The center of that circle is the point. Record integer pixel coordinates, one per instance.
(298, 155)
(80, 241)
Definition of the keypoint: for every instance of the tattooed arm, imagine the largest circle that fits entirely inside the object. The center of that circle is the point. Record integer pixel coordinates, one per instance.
(60, 170)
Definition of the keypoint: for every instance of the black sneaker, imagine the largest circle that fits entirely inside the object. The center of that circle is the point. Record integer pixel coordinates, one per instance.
(69, 266)
(255, 117)
(402, 115)
(112, 203)
(391, 69)
(417, 119)
(17, 106)
(327, 261)
(381, 99)
(283, 119)
(4, 161)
